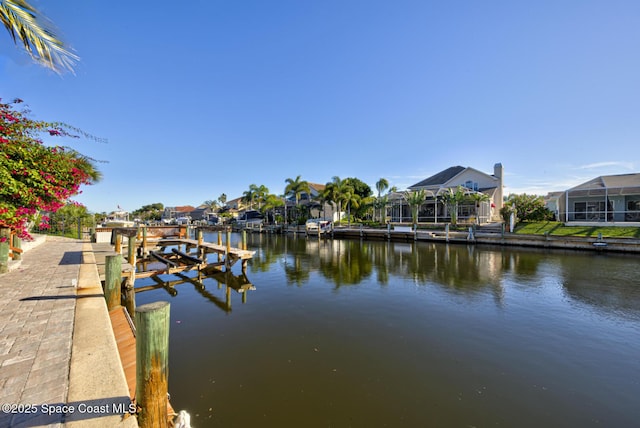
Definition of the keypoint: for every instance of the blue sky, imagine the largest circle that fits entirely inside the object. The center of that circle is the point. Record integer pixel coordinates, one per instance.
(202, 98)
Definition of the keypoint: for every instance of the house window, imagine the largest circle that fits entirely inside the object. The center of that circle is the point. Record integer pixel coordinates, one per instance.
(472, 185)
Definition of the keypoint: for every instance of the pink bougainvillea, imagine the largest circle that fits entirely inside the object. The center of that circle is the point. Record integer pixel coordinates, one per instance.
(34, 177)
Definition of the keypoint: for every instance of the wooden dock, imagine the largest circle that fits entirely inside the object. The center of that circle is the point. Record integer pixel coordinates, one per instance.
(227, 256)
(124, 332)
(123, 328)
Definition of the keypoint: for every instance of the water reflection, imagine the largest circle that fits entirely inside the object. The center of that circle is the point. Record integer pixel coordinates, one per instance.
(226, 281)
(350, 333)
(604, 282)
(459, 269)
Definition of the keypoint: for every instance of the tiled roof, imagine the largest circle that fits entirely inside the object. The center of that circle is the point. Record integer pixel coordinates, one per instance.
(184, 209)
(317, 186)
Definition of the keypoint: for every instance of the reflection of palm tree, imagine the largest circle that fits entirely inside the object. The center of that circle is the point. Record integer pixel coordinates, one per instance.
(349, 266)
(297, 273)
(25, 24)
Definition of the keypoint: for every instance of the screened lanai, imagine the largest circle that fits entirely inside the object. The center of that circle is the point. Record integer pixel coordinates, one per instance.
(433, 210)
(610, 198)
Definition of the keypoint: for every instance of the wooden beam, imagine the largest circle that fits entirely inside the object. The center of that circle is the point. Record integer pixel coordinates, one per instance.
(187, 256)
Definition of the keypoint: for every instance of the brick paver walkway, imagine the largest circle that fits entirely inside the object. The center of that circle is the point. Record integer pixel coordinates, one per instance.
(37, 308)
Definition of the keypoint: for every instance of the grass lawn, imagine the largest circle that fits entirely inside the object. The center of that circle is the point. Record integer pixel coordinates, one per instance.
(557, 229)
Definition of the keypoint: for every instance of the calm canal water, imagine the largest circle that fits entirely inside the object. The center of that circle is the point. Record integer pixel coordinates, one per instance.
(379, 334)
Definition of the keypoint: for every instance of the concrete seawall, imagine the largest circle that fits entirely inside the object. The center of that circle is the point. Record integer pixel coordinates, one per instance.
(627, 245)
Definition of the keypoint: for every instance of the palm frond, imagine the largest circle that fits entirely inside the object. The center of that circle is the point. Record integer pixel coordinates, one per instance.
(25, 24)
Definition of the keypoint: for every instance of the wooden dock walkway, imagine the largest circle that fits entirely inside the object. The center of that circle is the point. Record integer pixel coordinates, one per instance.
(124, 331)
(227, 256)
(123, 328)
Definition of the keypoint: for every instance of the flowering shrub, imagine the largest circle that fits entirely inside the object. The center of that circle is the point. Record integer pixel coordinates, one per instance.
(35, 177)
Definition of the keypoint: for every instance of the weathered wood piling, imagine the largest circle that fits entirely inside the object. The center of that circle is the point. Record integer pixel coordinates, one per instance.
(152, 363)
(113, 280)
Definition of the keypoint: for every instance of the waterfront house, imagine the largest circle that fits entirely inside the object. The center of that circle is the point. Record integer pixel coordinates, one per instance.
(607, 198)
(172, 213)
(315, 205)
(201, 213)
(234, 206)
(470, 179)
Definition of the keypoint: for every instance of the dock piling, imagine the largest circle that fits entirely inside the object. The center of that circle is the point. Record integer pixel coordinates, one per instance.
(118, 247)
(113, 280)
(144, 241)
(5, 235)
(130, 299)
(131, 250)
(152, 363)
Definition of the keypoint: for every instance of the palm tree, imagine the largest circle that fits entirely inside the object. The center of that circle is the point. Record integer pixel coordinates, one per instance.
(321, 200)
(82, 162)
(296, 188)
(261, 194)
(28, 26)
(381, 186)
(349, 197)
(330, 195)
(380, 204)
(210, 203)
(415, 199)
(477, 198)
(249, 196)
(334, 192)
(271, 202)
(451, 199)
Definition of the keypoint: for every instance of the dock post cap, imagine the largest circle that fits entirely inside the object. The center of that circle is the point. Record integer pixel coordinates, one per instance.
(149, 307)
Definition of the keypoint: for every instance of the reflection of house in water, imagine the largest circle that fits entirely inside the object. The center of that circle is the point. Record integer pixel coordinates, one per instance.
(465, 269)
